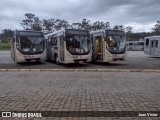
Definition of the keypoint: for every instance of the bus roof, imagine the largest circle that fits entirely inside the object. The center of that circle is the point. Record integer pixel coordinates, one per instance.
(153, 37)
(28, 33)
(134, 41)
(107, 30)
(71, 31)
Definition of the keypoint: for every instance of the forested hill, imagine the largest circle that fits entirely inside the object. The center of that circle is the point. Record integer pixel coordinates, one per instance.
(141, 35)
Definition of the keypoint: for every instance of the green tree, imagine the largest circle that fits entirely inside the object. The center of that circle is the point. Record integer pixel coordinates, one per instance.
(6, 35)
(84, 25)
(37, 25)
(107, 25)
(118, 27)
(59, 24)
(129, 29)
(76, 25)
(48, 25)
(156, 29)
(98, 25)
(31, 22)
(129, 33)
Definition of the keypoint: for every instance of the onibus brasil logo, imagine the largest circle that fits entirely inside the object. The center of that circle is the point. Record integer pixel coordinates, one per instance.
(21, 114)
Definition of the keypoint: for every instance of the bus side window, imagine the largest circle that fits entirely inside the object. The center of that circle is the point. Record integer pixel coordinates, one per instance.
(130, 44)
(17, 42)
(142, 43)
(152, 43)
(147, 42)
(54, 41)
(156, 43)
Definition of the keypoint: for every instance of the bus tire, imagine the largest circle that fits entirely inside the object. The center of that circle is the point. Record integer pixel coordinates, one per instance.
(39, 62)
(93, 61)
(18, 63)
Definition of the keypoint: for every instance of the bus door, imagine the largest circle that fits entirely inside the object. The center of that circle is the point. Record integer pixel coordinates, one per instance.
(61, 38)
(13, 48)
(156, 47)
(98, 39)
(153, 47)
(49, 48)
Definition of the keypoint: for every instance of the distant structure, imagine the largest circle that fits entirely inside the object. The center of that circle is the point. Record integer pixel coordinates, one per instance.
(135, 45)
(152, 46)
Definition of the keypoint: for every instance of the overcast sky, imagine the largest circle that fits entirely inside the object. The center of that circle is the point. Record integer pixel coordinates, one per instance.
(140, 14)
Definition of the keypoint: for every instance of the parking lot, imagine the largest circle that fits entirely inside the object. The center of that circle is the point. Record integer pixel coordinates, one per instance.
(134, 60)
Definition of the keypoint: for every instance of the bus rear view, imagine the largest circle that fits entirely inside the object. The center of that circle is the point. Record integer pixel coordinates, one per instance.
(28, 46)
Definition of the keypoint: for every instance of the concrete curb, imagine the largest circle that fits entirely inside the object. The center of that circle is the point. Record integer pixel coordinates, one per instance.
(82, 70)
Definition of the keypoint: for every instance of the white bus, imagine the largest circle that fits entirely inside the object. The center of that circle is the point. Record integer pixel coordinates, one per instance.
(108, 45)
(135, 45)
(69, 46)
(28, 46)
(152, 46)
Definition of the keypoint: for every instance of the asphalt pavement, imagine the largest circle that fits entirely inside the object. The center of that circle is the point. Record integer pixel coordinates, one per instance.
(134, 60)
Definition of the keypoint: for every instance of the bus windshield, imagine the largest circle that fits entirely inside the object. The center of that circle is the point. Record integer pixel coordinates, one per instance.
(116, 43)
(78, 44)
(30, 45)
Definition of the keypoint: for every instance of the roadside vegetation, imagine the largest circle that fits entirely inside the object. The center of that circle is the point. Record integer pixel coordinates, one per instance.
(5, 39)
(4, 45)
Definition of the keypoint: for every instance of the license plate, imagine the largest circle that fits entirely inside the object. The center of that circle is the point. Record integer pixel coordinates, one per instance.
(28, 56)
(32, 60)
(81, 62)
(119, 56)
(77, 57)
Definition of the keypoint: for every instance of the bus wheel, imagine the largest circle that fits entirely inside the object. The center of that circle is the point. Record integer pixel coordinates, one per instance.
(39, 62)
(57, 60)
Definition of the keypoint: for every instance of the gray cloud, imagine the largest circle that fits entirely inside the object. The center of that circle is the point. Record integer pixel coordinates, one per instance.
(139, 14)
